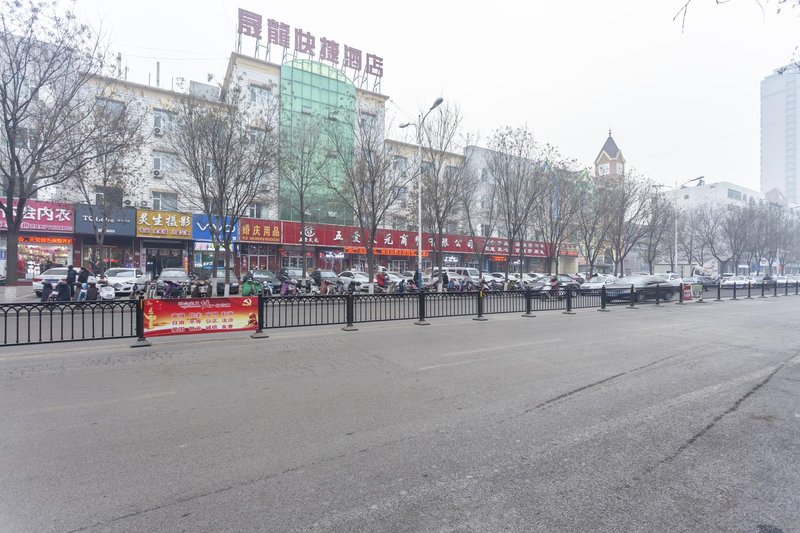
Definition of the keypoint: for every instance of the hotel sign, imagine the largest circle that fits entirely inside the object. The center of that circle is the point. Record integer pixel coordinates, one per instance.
(303, 42)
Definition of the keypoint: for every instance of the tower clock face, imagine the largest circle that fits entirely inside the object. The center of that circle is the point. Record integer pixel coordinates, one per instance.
(604, 169)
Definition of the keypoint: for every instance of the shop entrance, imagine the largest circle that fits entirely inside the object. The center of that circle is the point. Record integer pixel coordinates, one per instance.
(160, 258)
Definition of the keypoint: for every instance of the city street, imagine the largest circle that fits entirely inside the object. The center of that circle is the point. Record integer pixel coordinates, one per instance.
(669, 418)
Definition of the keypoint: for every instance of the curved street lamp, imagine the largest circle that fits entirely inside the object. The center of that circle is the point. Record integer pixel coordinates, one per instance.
(418, 127)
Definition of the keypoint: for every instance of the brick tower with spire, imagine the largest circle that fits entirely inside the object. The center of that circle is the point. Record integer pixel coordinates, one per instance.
(609, 161)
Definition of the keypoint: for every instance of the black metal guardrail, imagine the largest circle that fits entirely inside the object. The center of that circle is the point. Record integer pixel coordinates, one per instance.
(36, 323)
(33, 323)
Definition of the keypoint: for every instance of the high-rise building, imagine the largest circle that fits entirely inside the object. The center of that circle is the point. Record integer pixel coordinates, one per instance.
(780, 138)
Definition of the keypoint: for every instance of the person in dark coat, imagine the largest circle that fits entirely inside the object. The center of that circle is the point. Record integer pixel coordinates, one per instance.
(64, 291)
(446, 281)
(92, 292)
(72, 277)
(83, 276)
(47, 288)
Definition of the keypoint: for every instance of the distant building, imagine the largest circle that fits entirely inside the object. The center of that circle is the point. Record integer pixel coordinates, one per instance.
(780, 137)
(719, 193)
(610, 161)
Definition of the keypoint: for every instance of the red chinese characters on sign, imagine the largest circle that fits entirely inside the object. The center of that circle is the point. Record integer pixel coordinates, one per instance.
(249, 23)
(187, 316)
(43, 216)
(257, 230)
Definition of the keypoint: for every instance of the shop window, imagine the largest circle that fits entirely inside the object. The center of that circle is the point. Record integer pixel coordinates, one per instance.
(108, 196)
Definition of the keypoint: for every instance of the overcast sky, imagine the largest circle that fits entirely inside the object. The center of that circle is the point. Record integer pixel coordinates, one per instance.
(680, 102)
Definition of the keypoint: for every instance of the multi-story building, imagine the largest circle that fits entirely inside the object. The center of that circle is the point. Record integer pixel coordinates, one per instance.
(718, 193)
(780, 133)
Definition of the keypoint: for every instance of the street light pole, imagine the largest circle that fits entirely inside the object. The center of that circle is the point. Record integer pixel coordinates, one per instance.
(418, 127)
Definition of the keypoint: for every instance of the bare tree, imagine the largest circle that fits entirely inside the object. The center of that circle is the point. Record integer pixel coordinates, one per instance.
(370, 185)
(304, 150)
(514, 167)
(480, 207)
(228, 148)
(442, 177)
(558, 203)
(52, 98)
(735, 232)
(594, 219)
(629, 204)
(106, 180)
(708, 220)
(658, 237)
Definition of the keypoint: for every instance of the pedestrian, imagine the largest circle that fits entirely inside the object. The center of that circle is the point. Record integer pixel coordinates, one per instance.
(92, 292)
(72, 277)
(83, 276)
(445, 280)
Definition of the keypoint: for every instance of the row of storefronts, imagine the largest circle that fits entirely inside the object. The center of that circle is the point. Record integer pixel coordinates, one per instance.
(56, 234)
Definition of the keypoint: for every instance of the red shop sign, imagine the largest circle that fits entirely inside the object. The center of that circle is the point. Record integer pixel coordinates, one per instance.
(43, 216)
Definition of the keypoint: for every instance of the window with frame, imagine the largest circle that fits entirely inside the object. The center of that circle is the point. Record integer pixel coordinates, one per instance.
(256, 210)
(402, 194)
(113, 109)
(260, 95)
(734, 194)
(163, 121)
(164, 201)
(400, 164)
(162, 161)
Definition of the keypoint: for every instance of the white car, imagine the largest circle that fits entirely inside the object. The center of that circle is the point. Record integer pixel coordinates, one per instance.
(123, 279)
(349, 276)
(673, 279)
(599, 281)
(740, 281)
(54, 275)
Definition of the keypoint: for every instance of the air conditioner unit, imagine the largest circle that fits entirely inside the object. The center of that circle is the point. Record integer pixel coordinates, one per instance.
(157, 174)
(157, 132)
(126, 203)
(143, 203)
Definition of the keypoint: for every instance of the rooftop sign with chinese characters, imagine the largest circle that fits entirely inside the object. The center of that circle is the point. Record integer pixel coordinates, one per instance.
(362, 67)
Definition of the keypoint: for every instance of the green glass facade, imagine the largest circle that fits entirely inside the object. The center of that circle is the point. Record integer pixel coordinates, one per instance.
(316, 96)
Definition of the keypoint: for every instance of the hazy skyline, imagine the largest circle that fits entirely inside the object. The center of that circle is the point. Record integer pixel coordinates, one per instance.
(680, 102)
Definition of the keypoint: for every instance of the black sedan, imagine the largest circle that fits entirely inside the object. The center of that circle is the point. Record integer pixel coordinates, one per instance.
(645, 288)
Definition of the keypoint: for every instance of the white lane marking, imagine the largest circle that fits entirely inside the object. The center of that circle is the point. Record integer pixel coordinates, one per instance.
(465, 362)
(55, 408)
(503, 347)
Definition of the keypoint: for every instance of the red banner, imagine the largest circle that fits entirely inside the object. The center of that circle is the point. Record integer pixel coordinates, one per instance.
(199, 315)
(351, 238)
(43, 216)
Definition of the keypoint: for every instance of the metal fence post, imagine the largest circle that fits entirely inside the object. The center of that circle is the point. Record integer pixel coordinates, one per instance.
(786, 289)
(421, 321)
(775, 289)
(480, 316)
(763, 283)
(734, 291)
(658, 294)
(350, 312)
(749, 284)
(632, 298)
(569, 310)
(259, 333)
(719, 291)
(680, 294)
(140, 341)
(603, 299)
(796, 287)
(528, 303)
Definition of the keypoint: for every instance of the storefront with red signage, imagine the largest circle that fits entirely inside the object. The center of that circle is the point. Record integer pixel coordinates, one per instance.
(45, 239)
(258, 244)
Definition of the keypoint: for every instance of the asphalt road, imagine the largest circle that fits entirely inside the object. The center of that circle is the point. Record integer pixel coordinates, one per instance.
(670, 418)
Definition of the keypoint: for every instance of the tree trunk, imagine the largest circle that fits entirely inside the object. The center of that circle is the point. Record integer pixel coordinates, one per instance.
(12, 254)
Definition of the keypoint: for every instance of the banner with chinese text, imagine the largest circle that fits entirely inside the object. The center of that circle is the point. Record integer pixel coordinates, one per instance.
(43, 216)
(163, 224)
(257, 230)
(185, 316)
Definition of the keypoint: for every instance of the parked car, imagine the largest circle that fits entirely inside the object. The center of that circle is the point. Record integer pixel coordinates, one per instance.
(175, 275)
(360, 280)
(323, 275)
(123, 279)
(645, 287)
(597, 282)
(673, 278)
(565, 283)
(740, 281)
(54, 275)
(264, 276)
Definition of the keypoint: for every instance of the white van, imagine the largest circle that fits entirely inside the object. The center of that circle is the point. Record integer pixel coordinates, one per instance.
(460, 273)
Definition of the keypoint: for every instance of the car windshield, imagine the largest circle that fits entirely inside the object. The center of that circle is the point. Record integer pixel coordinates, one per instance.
(55, 272)
(327, 274)
(263, 273)
(119, 273)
